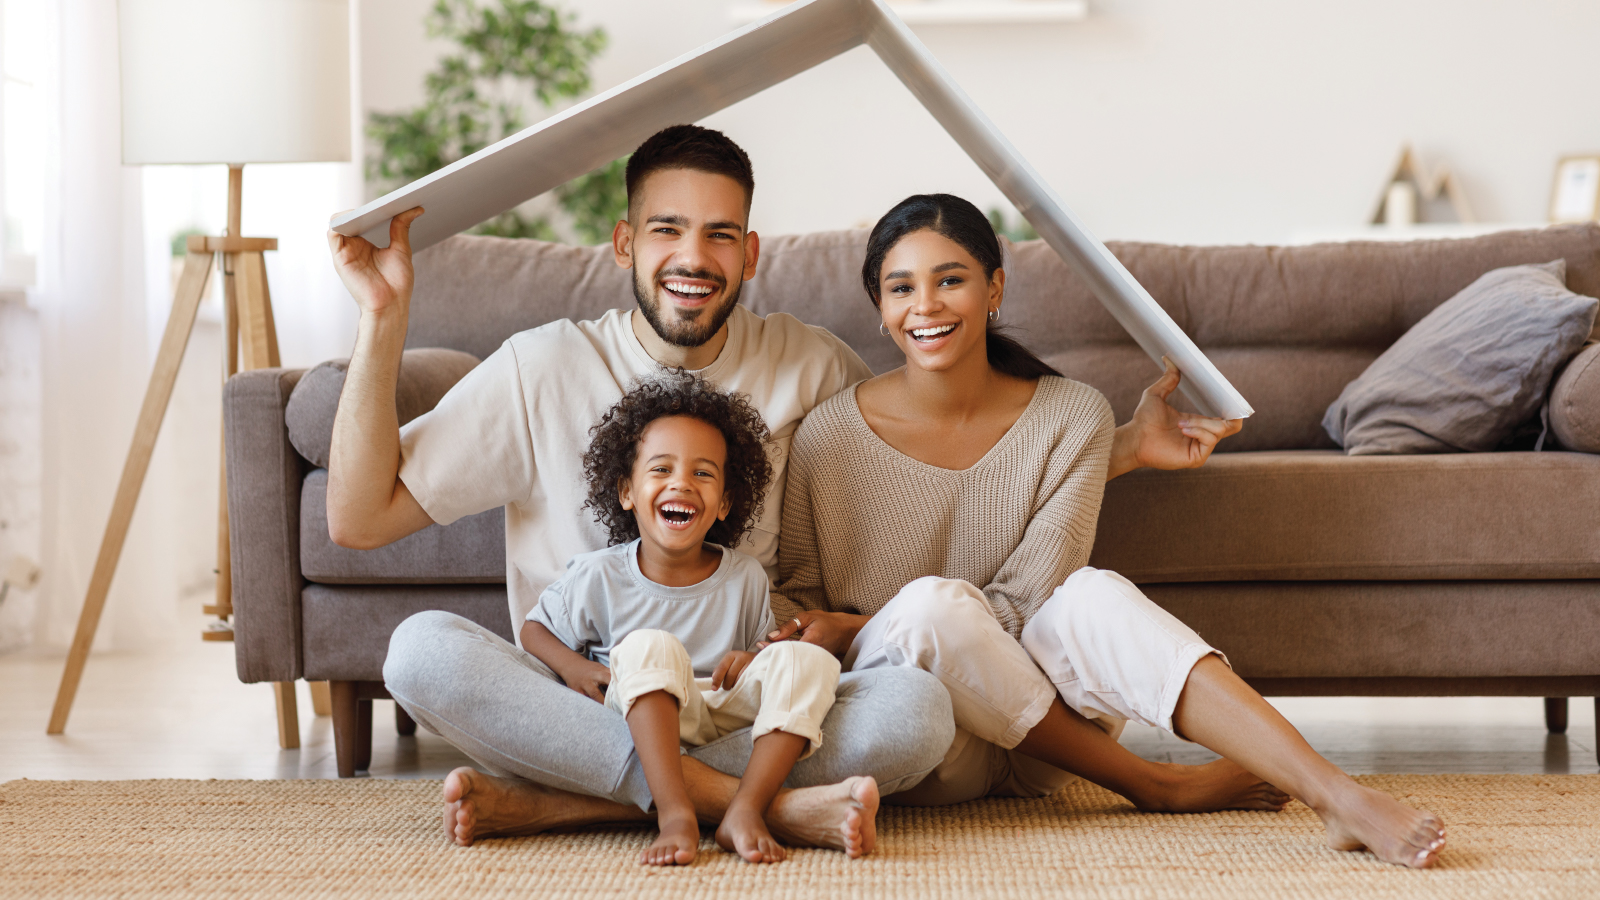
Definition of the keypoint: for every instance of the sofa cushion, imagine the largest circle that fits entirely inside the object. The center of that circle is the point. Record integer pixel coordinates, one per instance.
(348, 628)
(1394, 629)
(1289, 326)
(1320, 515)
(1575, 403)
(425, 375)
(1472, 371)
(470, 550)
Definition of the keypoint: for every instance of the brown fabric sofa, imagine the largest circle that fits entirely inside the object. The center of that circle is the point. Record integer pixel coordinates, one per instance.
(1315, 572)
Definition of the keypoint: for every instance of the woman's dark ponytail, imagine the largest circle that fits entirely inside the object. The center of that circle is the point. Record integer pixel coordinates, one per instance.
(960, 221)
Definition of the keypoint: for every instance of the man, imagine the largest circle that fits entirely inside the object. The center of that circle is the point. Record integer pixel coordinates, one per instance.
(512, 433)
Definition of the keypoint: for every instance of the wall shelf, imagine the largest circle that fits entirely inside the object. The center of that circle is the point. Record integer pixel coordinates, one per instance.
(1422, 231)
(955, 12)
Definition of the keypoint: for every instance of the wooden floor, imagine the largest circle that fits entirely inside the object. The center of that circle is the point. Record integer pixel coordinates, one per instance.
(178, 711)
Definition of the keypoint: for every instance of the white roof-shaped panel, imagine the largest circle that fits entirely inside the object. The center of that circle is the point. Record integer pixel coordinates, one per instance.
(744, 63)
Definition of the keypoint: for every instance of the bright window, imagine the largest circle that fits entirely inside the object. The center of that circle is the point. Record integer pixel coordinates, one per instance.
(22, 137)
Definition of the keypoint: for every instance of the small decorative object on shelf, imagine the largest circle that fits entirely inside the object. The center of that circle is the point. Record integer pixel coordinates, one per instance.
(1576, 194)
(1412, 197)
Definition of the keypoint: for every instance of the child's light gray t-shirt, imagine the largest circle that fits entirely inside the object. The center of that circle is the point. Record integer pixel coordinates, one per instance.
(603, 596)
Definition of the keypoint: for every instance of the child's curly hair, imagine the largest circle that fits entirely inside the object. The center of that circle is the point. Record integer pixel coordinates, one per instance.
(615, 446)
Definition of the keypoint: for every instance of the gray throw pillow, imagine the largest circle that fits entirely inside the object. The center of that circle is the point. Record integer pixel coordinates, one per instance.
(1471, 371)
(425, 375)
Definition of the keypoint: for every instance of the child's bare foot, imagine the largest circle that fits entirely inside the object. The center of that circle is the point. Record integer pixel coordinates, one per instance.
(678, 843)
(841, 816)
(1360, 817)
(1208, 788)
(744, 832)
(478, 806)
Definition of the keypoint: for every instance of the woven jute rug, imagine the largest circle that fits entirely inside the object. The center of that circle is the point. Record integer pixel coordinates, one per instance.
(1510, 835)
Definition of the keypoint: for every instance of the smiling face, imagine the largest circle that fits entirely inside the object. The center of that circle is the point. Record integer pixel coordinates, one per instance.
(686, 242)
(676, 489)
(935, 300)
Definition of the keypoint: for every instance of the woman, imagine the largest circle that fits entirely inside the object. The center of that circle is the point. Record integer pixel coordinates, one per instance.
(941, 515)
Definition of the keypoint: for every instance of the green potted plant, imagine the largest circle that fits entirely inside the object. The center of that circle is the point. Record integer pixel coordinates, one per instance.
(510, 56)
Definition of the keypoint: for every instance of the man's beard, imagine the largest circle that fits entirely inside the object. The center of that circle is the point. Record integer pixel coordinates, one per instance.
(691, 328)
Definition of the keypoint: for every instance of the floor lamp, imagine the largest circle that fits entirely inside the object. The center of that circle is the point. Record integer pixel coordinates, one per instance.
(204, 82)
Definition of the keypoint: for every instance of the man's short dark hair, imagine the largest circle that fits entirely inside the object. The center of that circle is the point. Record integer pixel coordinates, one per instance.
(690, 147)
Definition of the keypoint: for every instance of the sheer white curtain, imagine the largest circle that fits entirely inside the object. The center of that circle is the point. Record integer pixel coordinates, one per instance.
(103, 295)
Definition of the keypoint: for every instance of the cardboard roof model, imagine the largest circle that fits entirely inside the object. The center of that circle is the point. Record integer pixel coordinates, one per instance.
(745, 62)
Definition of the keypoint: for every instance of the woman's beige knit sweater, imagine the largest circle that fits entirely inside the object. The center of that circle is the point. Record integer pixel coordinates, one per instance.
(861, 519)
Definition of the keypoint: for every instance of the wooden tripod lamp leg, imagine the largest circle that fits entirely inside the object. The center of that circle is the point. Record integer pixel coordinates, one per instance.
(223, 607)
(258, 340)
(185, 303)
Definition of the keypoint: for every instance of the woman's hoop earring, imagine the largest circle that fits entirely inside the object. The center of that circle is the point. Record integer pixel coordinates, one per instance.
(994, 315)
(883, 329)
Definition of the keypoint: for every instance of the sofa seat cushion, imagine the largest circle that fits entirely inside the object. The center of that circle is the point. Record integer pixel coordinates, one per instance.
(1394, 629)
(1310, 515)
(471, 550)
(347, 628)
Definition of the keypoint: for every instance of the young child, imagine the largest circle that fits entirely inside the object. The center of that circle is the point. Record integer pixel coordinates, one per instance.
(672, 620)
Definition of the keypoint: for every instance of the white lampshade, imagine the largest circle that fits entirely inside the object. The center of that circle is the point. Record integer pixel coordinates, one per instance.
(235, 81)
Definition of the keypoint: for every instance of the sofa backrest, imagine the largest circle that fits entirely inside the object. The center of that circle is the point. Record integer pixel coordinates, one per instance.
(1289, 326)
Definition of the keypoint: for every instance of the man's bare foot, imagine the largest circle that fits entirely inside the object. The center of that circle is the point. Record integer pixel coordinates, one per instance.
(678, 843)
(744, 832)
(1360, 817)
(841, 816)
(478, 805)
(1208, 788)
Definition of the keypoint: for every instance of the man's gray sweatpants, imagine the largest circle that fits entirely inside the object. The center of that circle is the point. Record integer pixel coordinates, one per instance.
(510, 713)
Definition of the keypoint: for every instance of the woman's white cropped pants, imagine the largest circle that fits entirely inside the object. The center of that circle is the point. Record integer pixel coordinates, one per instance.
(1098, 642)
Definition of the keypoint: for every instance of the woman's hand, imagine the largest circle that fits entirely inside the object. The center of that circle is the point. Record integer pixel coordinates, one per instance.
(832, 631)
(728, 671)
(588, 678)
(1161, 437)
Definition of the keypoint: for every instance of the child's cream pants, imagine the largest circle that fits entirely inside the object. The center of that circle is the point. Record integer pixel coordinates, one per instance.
(789, 687)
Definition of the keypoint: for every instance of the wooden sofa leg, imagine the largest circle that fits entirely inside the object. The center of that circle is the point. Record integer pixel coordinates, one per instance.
(288, 715)
(346, 725)
(364, 736)
(1555, 714)
(403, 723)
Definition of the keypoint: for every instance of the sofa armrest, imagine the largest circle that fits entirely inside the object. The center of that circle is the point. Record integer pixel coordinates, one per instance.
(264, 474)
(1575, 402)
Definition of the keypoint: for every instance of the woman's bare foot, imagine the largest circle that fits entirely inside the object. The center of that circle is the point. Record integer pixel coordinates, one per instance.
(841, 816)
(478, 805)
(1360, 817)
(744, 832)
(678, 843)
(1208, 788)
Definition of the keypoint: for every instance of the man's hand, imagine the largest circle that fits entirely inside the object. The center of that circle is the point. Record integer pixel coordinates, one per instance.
(1161, 437)
(588, 678)
(832, 631)
(728, 671)
(379, 280)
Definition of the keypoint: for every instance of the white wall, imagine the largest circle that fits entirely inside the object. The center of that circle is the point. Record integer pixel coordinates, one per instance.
(1172, 120)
